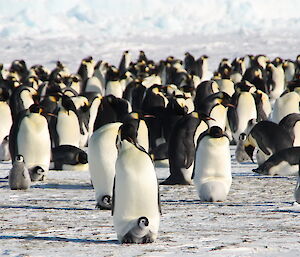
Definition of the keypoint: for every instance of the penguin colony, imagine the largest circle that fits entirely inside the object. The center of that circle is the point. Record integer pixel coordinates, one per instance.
(143, 113)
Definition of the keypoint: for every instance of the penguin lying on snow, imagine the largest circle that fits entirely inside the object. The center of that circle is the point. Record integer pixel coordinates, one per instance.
(269, 138)
(69, 157)
(212, 168)
(282, 163)
(18, 178)
(136, 204)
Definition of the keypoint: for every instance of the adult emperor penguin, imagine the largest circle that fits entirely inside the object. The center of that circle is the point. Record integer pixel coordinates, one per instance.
(18, 178)
(102, 156)
(69, 157)
(4, 149)
(282, 163)
(277, 81)
(5, 114)
(291, 123)
(29, 136)
(286, 104)
(65, 128)
(245, 109)
(212, 168)
(216, 106)
(136, 204)
(181, 149)
(269, 138)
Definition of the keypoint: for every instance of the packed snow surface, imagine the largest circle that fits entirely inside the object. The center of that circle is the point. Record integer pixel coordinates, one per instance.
(57, 217)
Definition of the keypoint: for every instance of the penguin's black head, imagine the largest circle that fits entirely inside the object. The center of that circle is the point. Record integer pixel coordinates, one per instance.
(143, 222)
(19, 158)
(82, 157)
(128, 132)
(216, 132)
(35, 108)
(106, 201)
(242, 137)
(68, 104)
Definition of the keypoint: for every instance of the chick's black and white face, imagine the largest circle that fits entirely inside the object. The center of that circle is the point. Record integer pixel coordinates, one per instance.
(19, 158)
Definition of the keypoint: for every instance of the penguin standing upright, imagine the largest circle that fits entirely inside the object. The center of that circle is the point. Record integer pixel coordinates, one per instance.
(18, 178)
(102, 155)
(5, 114)
(181, 148)
(65, 128)
(244, 110)
(277, 81)
(136, 205)
(286, 104)
(212, 168)
(29, 136)
(216, 106)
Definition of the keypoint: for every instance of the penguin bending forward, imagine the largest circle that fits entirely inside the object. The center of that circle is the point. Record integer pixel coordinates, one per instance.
(212, 168)
(136, 204)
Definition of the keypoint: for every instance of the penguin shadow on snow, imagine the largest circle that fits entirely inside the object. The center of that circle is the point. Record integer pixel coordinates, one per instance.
(30, 207)
(60, 239)
(63, 186)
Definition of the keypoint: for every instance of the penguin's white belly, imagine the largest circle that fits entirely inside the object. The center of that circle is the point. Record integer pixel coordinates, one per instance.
(212, 176)
(5, 120)
(33, 141)
(284, 169)
(68, 128)
(143, 135)
(285, 105)
(219, 113)
(297, 134)
(136, 191)
(246, 110)
(102, 156)
(200, 129)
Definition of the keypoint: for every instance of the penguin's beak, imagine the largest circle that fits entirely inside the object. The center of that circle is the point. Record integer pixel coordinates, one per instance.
(249, 149)
(230, 105)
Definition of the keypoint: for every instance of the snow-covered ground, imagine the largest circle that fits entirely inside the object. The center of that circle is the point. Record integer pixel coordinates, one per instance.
(58, 218)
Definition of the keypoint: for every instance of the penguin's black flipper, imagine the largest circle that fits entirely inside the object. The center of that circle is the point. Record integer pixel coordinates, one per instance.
(232, 113)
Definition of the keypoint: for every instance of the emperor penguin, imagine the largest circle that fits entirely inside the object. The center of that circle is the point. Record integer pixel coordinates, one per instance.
(5, 114)
(65, 127)
(216, 107)
(102, 156)
(277, 81)
(282, 163)
(269, 138)
(286, 104)
(29, 136)
(244, 110)
(69, 157)
(4, 149)
(125, 62)
(18, 178)
(136, 201)
(205, 89)
(291, 123)
(212, 168)
(181, 147)
(21, 99)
